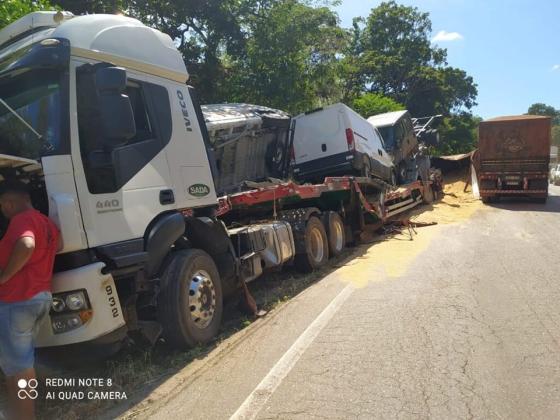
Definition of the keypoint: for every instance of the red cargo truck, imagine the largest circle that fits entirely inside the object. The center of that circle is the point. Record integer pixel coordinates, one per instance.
(513, 157)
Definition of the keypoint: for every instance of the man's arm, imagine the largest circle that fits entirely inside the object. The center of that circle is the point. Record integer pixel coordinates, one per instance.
(22, 251)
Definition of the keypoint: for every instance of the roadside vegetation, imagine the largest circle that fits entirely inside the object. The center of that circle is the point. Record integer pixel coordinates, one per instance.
(295, 55)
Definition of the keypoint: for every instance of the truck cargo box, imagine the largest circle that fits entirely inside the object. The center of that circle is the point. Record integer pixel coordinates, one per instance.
(513, 156)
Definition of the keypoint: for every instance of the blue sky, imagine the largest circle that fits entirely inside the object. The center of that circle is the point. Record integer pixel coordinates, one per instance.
(509, 47)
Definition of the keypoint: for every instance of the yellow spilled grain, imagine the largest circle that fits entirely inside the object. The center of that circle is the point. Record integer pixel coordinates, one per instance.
(455, 206)
(387, 258)
(391, 257)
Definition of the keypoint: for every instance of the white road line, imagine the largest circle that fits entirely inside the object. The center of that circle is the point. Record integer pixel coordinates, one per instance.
(260, 395)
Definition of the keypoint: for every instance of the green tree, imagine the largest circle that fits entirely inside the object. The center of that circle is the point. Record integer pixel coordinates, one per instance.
(11, 10)
(556, 135)
(370, 104)
(546, 111)
(458, 134)
(291, 58)
(80, 7)
(392, 55)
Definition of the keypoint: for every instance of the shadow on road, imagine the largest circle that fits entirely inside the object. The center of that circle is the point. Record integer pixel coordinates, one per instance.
(526, 204)
(138, 370)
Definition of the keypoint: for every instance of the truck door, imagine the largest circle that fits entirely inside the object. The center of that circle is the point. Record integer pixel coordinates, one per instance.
(187, 153)
(122, 183)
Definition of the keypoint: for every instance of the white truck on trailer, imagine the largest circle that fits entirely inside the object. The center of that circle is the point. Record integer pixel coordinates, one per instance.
(336, 140)
(250, 143)
(97, 118)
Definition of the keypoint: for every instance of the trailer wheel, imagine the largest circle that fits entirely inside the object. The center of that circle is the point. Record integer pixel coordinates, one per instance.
(316, 247)
(335, 233)
(190, 300)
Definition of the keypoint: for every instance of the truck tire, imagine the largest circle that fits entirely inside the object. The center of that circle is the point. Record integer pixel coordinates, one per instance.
(335, 233)
(316, 247)
(190, 300)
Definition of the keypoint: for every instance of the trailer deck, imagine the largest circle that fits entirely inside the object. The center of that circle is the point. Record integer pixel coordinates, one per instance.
(375, 197)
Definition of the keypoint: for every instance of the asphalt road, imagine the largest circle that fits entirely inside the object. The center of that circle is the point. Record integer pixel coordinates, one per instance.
(463, 322)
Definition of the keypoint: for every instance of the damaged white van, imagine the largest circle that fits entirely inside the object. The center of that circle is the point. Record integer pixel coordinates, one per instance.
(335, 140)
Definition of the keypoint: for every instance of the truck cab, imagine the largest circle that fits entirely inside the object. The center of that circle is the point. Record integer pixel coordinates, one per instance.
(96, 116)
(400, 139)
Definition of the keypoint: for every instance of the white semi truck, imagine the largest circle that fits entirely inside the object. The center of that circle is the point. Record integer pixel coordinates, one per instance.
(96, 116)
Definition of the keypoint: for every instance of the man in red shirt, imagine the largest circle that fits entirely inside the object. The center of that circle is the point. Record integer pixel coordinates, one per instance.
(27, 253)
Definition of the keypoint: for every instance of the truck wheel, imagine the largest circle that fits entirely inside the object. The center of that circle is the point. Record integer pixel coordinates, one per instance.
(190, 300)
(316, 247)
(335, 233)
(541, 200)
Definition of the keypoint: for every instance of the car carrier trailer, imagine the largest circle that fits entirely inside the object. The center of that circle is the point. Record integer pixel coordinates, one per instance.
(115, 150)
(345, 206)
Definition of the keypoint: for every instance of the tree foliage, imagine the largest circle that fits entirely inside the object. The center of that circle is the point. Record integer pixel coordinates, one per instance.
(556, 135)
(459, 133)
(370, 104)
(80, 7)
(11, 10)
(546, 111)
(293, 54)
(290, 59)
(392, 54)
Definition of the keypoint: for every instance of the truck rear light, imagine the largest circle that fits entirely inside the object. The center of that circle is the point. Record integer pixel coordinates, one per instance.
(499, 183)
(525, 183)
(350, 139)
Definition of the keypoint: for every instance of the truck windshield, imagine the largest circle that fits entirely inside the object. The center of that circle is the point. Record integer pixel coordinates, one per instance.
(387, 133)
(35, 97)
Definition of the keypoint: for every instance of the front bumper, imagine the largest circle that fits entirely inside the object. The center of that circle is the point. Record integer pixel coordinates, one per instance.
(106, 314)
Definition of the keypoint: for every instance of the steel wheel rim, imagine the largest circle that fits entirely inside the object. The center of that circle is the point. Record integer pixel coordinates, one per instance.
(202, 299)
(317, 250)
(338, 236)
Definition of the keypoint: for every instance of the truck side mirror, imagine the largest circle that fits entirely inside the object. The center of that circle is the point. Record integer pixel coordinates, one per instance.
(117, 117)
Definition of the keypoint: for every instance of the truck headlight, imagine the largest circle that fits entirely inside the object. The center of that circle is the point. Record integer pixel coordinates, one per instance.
(76, 301)
(70, 310)
(65, 323)
(58, 304)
